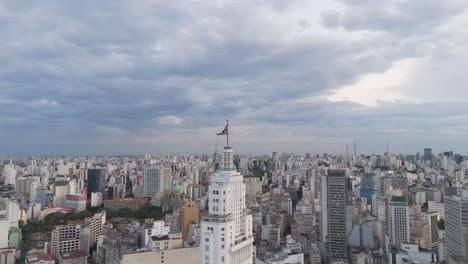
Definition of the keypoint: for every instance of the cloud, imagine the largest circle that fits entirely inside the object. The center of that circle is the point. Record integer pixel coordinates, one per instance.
(170, 120)
(144, 76)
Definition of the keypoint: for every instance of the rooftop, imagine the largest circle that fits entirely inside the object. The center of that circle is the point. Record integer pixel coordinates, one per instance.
(72, 255)
(38, 258)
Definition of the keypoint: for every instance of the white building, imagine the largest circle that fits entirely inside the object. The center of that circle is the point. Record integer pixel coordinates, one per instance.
(410, 253)
(157, 229)
(96, 199)
(4, 229)
(399, 223)
(283, 259)
(436, 207)
(9, 172)
(61, 189)
(227, 229)
(13, 213)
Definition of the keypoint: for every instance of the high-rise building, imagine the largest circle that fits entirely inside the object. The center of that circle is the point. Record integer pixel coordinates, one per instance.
(77, 237)
(427, 154)
(60, 191)
(188, 213)
(334, 188)
(156, 179)
(9, 173)
(399, 222)
(227, 228)
(456, 217)
(68, 238)
(96, 181)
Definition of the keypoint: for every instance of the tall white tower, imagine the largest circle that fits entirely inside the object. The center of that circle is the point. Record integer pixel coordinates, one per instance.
(227, 229)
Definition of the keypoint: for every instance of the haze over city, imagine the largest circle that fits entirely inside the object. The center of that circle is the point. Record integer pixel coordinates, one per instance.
(128, 77)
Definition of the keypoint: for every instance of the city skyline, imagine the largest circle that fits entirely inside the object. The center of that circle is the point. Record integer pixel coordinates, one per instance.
(128, 77)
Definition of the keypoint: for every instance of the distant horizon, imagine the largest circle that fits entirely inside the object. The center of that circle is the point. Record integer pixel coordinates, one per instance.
(434, 153)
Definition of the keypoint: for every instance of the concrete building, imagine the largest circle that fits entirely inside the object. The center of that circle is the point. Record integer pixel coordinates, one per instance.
(433, 206)
(410, 253)
(399, 223)
(40, 258)
(96, 199)
(9, 173)
(227, 229)
(77, 237)
(7, 255)
(361, 236)
(76, 257)
(61, 189)
(4, 230)
(69, 238)
(333, 215)
(253, 187)
(170, 241)
(155, 228)
(188, 214)
(95, 225)
(156, 179)
(456, 217)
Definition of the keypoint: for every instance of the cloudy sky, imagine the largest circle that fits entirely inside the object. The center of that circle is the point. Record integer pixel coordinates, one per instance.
(162, 76)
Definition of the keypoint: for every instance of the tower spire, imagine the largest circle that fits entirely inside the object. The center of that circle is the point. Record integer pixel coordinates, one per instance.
(225, 132)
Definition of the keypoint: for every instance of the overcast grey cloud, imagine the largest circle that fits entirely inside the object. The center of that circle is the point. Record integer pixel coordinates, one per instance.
(120, 76)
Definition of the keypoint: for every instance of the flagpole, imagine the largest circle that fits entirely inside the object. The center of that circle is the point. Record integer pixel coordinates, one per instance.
(227, 135)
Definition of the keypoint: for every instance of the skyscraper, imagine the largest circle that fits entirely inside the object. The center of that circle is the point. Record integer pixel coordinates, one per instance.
(96, 181)
(333, 218)
(156, 179)
(227, 229)
(456, 217)
(399, 224)
(427, 154)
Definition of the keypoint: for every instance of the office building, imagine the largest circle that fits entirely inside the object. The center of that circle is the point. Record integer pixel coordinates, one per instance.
(333, 216)
(96, 180)
(188, 214)
(427, 154)
(456, 218)
(61, 189)
(156, 179)
(399, 222)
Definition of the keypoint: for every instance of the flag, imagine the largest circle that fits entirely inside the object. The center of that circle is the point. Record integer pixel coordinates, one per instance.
(225, 130)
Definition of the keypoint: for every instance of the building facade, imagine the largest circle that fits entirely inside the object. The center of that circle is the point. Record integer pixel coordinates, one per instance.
(456, 217)
(227, 229)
